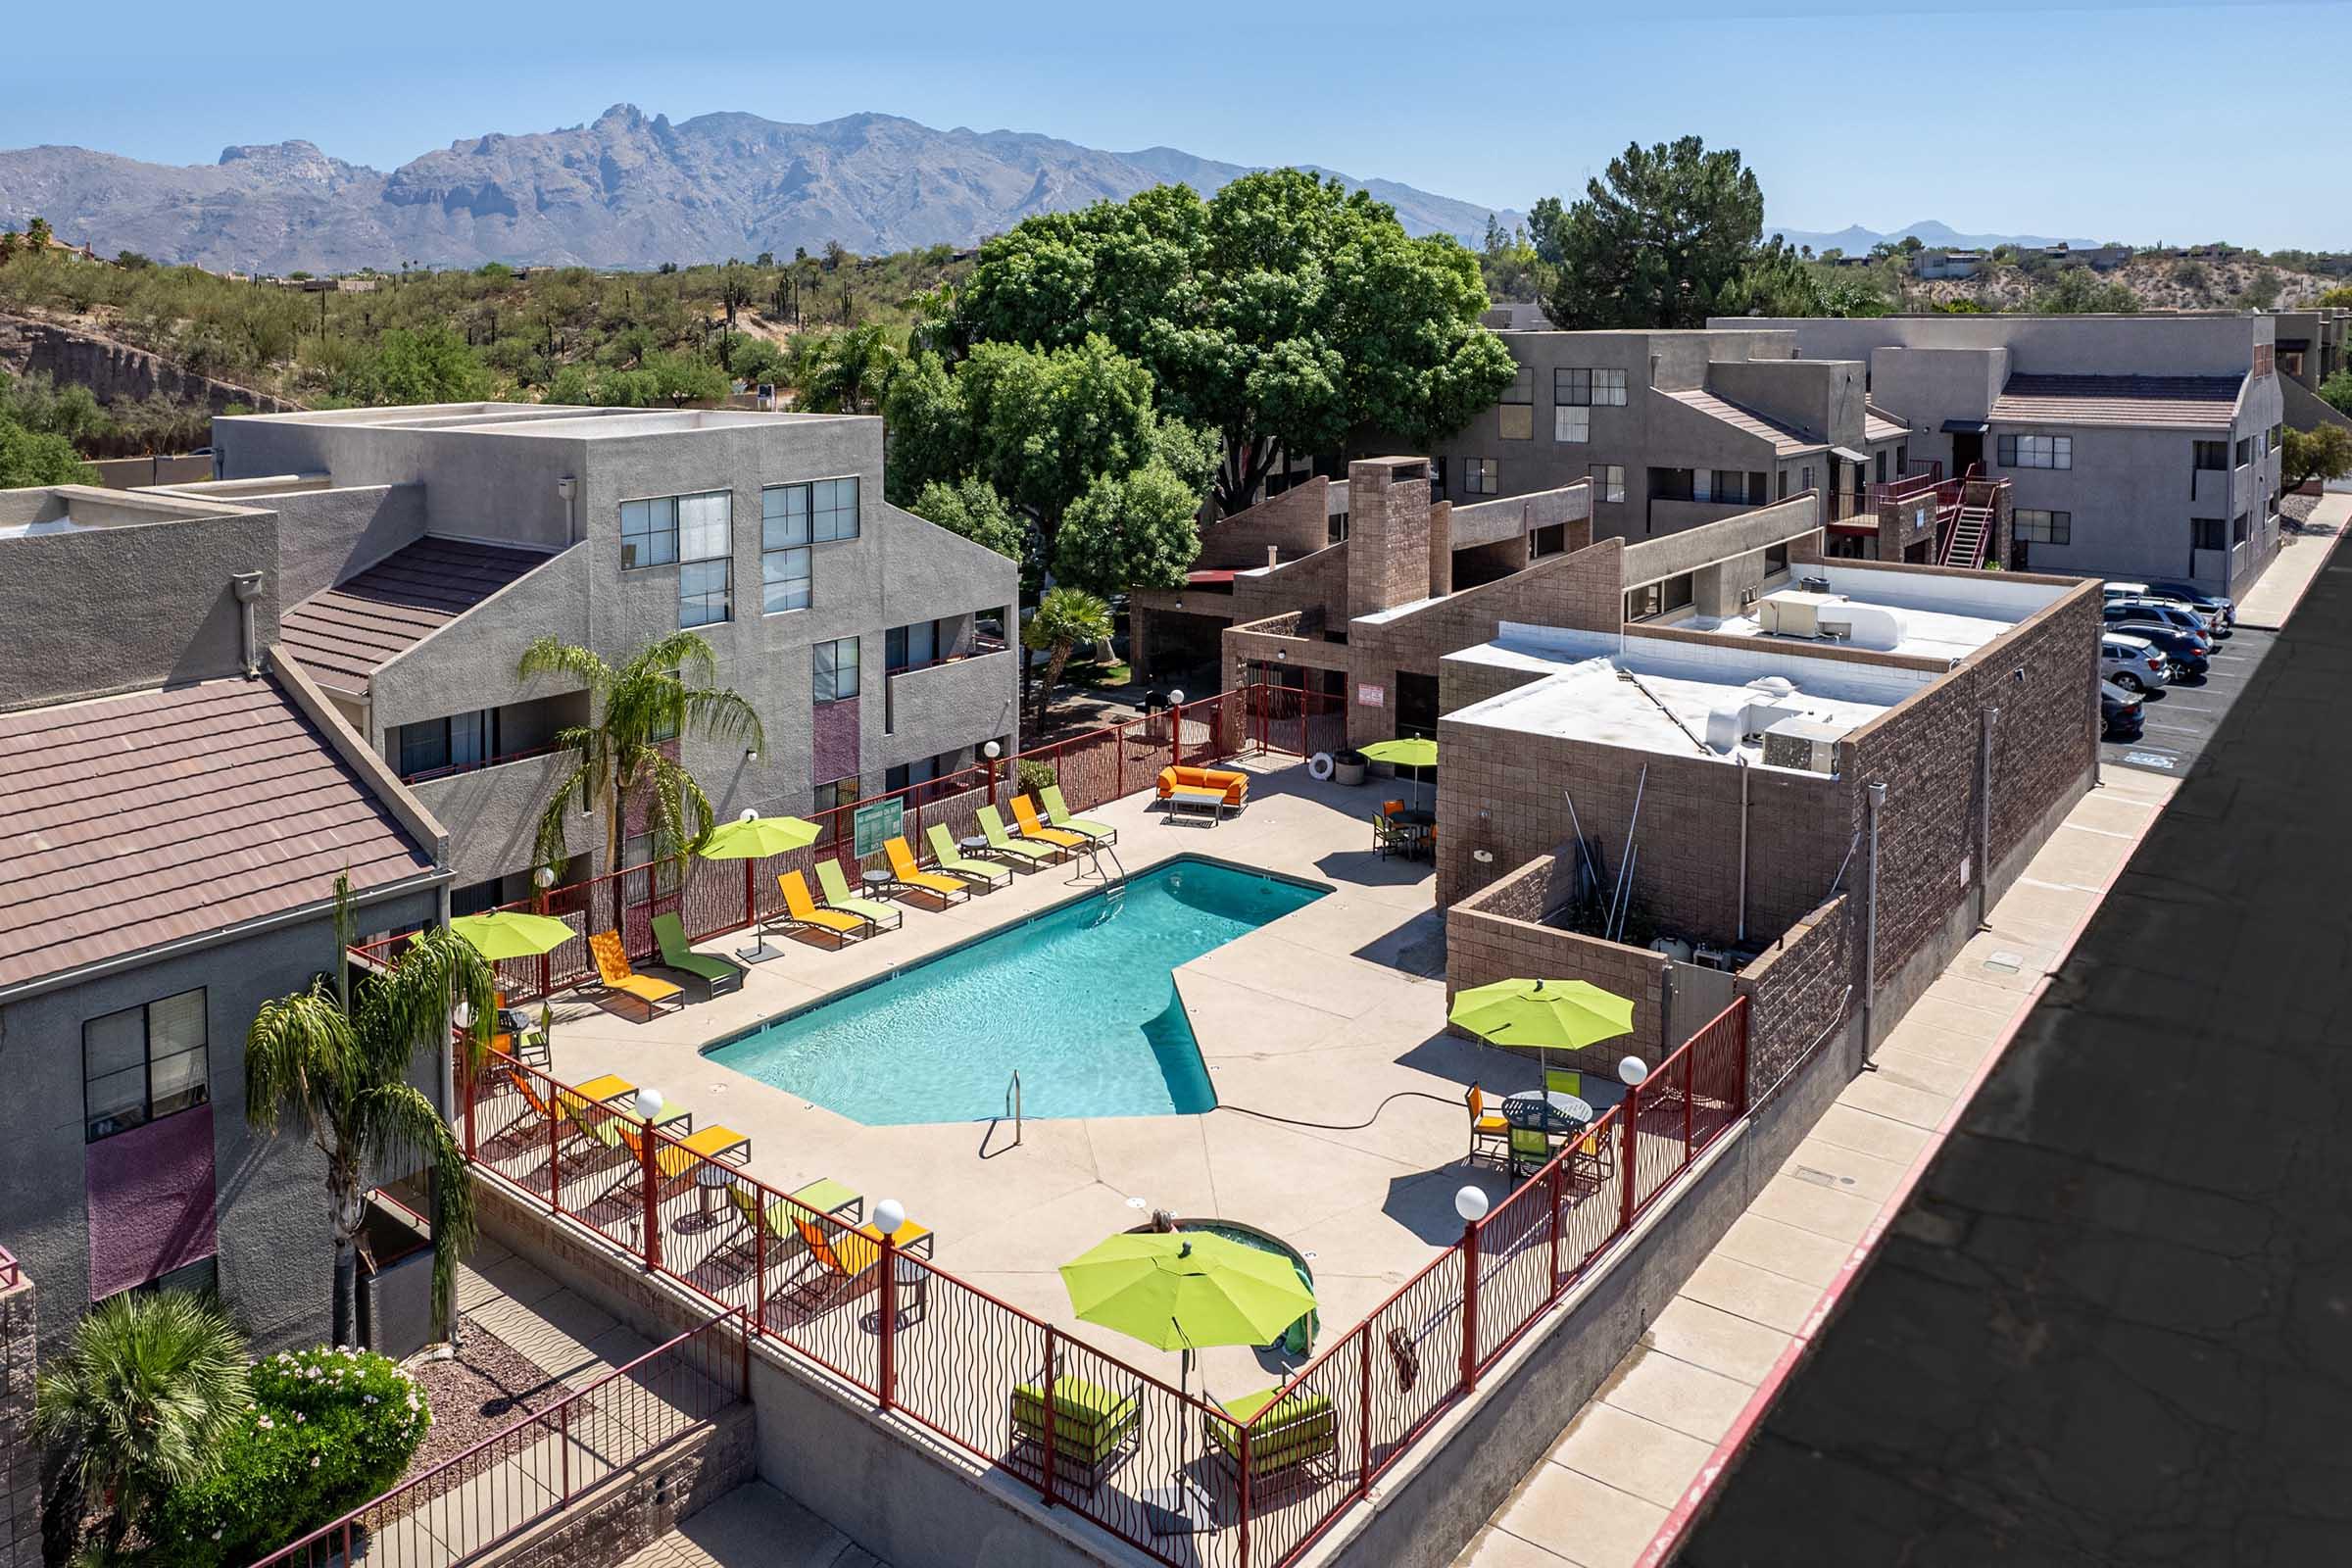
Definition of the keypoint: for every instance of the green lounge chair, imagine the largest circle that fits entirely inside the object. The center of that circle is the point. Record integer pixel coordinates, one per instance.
(1003, 842)
(836, 889)
(1297, 1443)
(1058, 812)
(715, 973)
(1096, 1429)
(949, 859)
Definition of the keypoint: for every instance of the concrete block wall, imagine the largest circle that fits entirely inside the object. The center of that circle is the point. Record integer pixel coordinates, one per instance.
(19, 1455)
(1294, 523)
(1798, 989)
(1388, 534)
(1498, 936)
(640, 1504)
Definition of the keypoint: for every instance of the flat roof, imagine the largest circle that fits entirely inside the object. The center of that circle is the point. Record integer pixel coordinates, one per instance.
(1584, 693)
(573, 422)
(1933, 617)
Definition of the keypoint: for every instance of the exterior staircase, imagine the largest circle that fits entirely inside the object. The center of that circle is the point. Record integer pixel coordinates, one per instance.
(1974, 510)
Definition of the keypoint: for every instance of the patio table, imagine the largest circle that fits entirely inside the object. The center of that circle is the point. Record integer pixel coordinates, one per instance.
(1546, 1110)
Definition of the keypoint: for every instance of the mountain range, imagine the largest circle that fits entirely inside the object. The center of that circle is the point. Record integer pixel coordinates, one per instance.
(621, 191)
(1855, 240)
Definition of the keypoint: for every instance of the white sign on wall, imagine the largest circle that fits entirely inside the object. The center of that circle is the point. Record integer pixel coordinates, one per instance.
(1368, 694)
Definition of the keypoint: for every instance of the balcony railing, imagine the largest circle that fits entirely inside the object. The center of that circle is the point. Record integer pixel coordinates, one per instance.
(424, 776)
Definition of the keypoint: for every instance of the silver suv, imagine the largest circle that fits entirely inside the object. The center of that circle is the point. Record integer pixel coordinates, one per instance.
(2132, 663)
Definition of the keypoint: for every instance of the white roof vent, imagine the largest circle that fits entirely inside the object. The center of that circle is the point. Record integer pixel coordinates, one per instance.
(1773, 685)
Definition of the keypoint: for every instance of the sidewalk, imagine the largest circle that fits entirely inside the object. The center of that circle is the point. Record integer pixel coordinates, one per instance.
(1615, 1490)
(2302, 554)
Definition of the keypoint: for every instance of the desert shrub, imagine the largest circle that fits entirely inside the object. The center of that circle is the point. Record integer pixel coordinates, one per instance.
(1033, 775)
(327, 1430)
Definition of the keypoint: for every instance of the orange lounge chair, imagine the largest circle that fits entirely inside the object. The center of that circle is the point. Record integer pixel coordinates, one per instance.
(839, 1262)
(1025, 817)
(800, 909)
(612, 968)
(909, 874)
(675, 1160)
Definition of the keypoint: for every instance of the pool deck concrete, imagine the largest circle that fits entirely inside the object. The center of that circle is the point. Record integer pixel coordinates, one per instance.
(1319, 1016)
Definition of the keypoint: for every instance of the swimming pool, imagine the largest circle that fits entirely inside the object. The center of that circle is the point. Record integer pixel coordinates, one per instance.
(1081, 1000)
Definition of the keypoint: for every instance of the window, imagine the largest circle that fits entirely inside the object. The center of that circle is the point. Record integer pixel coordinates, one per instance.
(706, 591)
(1902, 459)
(461, 740)
(2291, 362)
(1571, 423)
(2246, 450)
(2034, 451)
(907, 774)
(1522, 388)
(1479, 478)
(925, 642)
(2264, 356)
(1733, 485)
(143, 1062)
(2208, 533)
(1608, 481)
(1518, 421)
(2213, 454)
(1776, 558)
(1879, 460)
(836, 666)
(2240, 528)
(2042, 527)
(1547, 541)
(1659, 598)
(783, 548)
(1806, 474)
(832, 797)
(833, 505)
(642, 849)
(649, 532)
(1589, 388)
(1784, 490)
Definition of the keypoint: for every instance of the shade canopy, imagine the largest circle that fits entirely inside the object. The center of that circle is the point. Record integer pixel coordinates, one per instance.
(1409, 751)
(1543, 1015)
(759, 838)
(511, 934)
(1186, 1290)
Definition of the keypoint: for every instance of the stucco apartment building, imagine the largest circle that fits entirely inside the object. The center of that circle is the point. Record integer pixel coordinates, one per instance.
(2135, 446)
(2311, 347)
(429, 547)
(1672, 429)
(177, 804)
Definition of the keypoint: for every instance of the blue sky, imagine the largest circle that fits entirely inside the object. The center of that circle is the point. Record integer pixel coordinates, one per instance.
(2136, 119)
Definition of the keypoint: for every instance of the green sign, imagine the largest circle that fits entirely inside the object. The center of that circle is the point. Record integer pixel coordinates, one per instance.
(876, 823)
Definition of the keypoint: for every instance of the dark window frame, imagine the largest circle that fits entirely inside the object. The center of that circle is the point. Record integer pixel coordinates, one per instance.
(198, 1093)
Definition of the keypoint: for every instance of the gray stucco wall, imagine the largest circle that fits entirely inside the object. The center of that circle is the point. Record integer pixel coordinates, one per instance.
(327, 535)
(275, 1247)
(125, 608)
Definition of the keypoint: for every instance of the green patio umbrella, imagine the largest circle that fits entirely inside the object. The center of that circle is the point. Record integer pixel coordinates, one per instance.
(755, 838)
(1407, 750)
(511, 934)
(1543, 1015)
(1186, 1291)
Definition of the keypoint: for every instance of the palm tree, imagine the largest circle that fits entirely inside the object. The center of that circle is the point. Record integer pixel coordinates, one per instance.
(142, 1402)
(617, 754)
(336, 1060)
(1064, 617)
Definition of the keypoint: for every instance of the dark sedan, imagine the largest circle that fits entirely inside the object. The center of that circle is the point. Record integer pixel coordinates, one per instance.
(2186, 651)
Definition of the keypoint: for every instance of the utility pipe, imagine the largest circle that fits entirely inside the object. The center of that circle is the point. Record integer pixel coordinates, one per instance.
(1741, 929)
(1992, 717)
(1875, 800)
(248, 585)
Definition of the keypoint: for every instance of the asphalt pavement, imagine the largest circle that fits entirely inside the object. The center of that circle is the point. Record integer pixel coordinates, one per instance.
(2181, 720)
(2113, 1323)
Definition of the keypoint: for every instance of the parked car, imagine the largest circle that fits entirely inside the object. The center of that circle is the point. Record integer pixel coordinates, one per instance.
(2208, 617)
(2132, 663)
(2119, 712)
(2221, 606)
(2188, 652)
(2156, 610)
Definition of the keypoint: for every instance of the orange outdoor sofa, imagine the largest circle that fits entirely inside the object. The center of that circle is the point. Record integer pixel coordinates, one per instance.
(1235, 785)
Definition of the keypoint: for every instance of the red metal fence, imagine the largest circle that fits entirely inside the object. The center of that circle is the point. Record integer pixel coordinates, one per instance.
(936, 1351)
(714, 896)
(502, 1486)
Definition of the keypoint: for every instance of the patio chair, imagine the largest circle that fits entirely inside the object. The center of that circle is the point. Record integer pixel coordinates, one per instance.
(1058, 812)
(1389, 834)
(1531, 1150)
(1490, 1130)
(800, 911)
(949, 859)
(1561, 1081)
(1295, 1443)
(1096, 1430)
(675, 1160)
(908, 874)
(836, 888)
(1033, 827)
(1000, 842)
(715, 973)
(530, 1050)
(612, 968)
(1594, 1156)
(530, 1132)
(837, 1265)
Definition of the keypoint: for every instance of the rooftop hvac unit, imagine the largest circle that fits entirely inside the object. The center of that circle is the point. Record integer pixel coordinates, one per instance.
(1794, 614)
(1804, 744)
(1814, 585)
(1727, 725)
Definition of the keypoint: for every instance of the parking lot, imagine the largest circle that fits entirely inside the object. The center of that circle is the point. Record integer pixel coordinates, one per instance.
(2180, 719)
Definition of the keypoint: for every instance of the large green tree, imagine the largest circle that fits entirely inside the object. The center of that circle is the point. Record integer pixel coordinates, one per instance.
(970, 507)
(1659, 240)
(335, 1059)
(2321, 454)
(618, 757)
(30, 458)
(1282, 313)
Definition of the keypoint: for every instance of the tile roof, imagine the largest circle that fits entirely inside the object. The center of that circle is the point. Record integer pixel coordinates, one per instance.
(1784, 441)
(2182, 402)
(133, 821)
(1880, 425)
(345, 633)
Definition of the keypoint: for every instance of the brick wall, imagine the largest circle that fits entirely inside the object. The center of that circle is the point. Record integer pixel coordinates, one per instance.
(1387, 534)
(19, 1455)
(1319, 581)
(1293, 522)
(1798, 988)
(636, 1506)
(1496, 935)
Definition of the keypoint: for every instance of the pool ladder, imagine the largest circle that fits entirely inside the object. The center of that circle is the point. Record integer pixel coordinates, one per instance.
(1114, 881)
(1012, 1113)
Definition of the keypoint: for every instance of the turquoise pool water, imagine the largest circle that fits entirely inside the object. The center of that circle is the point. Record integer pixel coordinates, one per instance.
(1080, 999)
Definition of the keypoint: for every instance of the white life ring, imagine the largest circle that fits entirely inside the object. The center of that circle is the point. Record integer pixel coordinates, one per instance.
(1318, 766)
